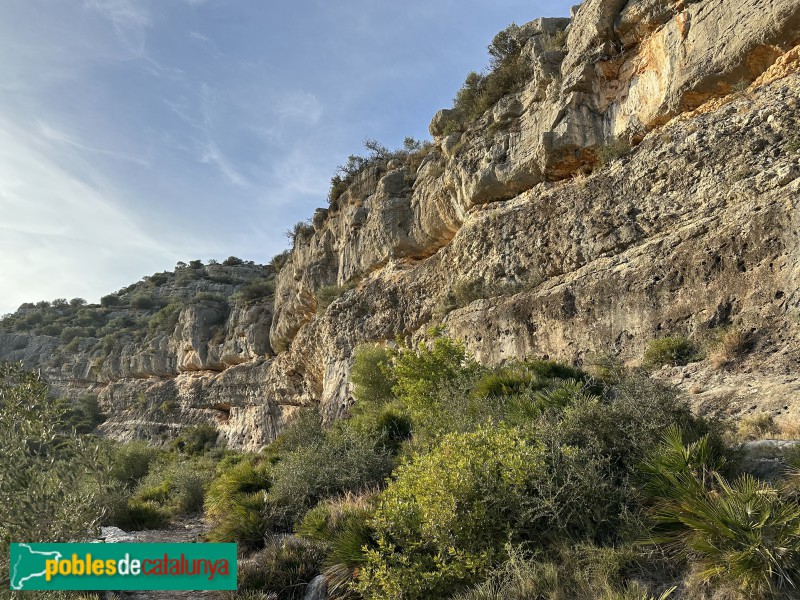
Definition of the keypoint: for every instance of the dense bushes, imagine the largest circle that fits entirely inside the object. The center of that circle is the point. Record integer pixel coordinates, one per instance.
(51, 478)
(155, 486)
(256, 289)
(435, 529)
(745, 532)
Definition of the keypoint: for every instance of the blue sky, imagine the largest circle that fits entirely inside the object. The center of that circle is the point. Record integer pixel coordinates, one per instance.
(135, 133)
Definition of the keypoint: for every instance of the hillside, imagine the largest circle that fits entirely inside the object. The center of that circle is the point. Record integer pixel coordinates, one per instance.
(628, 174)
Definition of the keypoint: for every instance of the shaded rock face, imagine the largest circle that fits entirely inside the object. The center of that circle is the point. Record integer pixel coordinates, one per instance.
(695, 229)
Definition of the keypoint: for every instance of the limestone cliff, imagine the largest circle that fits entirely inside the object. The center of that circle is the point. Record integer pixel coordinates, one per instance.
(571, 247)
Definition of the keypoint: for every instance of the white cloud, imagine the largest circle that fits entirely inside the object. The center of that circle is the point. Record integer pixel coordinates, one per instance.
(54, 135)
(130, 18)
(300, 106)
(212, 155)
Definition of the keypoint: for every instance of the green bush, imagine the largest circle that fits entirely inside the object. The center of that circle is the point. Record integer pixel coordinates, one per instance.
(371, 374)
(279, 260)
(344, 460)
(284, 567)
(51, 479)
(84, 414)
(255, 290)
(197, 439)
(141, 514)
(235, 505)
(232, 261)
(328, 293)
(132, 461)
(299, 231)
(435, 531)
(612, 151)
(166, 319)
(341, 527)
(109, 300)
(675, 351)
(158, 279)
(142, 301)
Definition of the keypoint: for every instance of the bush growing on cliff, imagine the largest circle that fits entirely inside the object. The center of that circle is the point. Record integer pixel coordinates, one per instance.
(410, 155)
(254, 290)
(508, 72)
(279, 260)
(328, 293)
(674, 351)
(299, 230)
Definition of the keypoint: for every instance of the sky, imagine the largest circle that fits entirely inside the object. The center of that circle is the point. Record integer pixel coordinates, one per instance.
(138, 133)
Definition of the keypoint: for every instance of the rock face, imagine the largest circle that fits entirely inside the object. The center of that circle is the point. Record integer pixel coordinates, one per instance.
(575, 248)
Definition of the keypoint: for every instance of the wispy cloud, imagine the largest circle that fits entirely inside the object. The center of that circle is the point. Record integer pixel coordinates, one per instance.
(212, 155)
(299, 106)
(49, 133)
(57, 224)
(130, 18)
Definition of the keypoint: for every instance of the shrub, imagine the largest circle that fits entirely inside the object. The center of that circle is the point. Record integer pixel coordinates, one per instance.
(51, 479)
(279, 260)
(158, 279)
(613, 150)
(344, 460)
(255, 290)
(508, 73)
(166, 319)
(142, 301)
(284, 567)
(328, 293)
(435, 532)
(675, 351)
(84, 414)
(371, 374)
(467, 291)
(141, 514)
(69, 334)
(131, 462)
(197, 439)
(299, 230)
(234, 504)
(340, 526)
(232, 261)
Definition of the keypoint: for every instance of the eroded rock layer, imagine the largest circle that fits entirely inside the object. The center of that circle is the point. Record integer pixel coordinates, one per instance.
(572, 247)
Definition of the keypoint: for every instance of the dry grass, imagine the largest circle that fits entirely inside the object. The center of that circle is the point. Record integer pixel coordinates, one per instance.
(757, 426)
(762, 425)
(729, 348)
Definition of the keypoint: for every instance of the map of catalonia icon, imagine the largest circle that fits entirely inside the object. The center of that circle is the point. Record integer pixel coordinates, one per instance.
(28, 564)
